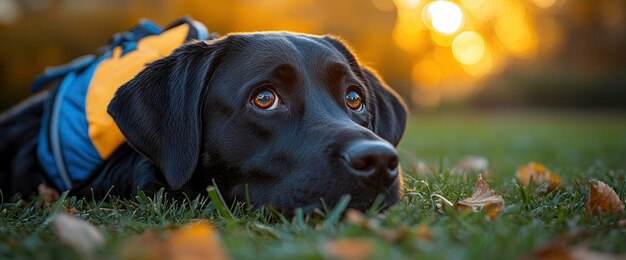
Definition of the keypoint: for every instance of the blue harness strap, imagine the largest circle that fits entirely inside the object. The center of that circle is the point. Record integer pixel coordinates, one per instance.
(55, 143)
(65, 150)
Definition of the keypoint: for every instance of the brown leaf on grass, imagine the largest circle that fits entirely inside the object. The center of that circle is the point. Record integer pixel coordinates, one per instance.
(359, 248)
(423, 233)
(80, 235)
(602, 199)
(194, 241)
(538, 174)
(48, 195)
(484, 198)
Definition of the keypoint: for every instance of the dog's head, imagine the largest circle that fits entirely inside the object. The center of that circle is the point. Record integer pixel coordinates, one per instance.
(285, 119)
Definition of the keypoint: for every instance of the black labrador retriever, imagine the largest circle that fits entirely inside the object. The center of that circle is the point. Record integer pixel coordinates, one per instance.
(286, 119)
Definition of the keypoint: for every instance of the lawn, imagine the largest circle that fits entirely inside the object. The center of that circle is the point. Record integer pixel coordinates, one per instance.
(577, 147)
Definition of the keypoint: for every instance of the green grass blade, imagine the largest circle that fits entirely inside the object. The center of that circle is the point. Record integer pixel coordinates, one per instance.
(219, 203)
(335, 215)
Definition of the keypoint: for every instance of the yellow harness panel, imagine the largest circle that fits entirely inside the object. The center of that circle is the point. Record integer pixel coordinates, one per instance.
(115, 72)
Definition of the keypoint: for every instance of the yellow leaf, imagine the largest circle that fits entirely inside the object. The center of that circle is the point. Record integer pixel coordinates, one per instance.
(602, 199)
(193, 241)
(348, 249)
(538, 174)
(484, 198)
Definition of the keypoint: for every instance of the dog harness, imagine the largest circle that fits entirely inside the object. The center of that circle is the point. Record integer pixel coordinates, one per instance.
(77, 134)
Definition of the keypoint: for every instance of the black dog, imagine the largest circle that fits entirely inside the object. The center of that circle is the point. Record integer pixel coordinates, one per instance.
(293, 117)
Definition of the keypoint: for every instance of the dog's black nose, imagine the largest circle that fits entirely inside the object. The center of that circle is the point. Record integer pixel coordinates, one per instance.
(375, 161)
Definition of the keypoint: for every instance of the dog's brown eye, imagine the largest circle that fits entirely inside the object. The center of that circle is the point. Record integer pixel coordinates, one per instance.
(265, 99)
(354, 100)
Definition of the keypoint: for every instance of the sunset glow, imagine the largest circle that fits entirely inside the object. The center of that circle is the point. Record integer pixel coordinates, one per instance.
(468, 48)
(446, 17)
(456, 44)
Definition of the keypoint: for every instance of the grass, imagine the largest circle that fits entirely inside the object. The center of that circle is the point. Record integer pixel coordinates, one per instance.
(577, 147)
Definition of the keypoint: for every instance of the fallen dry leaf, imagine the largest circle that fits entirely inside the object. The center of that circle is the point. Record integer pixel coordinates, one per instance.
(470, 164)
(602, 199)
(423, 233)
(48, 195)
(80, 235)
(484, 198)
(194, 241)
(538, 174)
(360, 248)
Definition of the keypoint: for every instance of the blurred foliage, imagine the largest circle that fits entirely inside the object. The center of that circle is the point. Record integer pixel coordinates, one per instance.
(488, 53)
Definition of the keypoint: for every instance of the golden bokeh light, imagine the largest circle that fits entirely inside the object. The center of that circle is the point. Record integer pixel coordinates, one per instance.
(444, 16)
(468, 47)
(516, 34)
(544, 3)
(442, 49)
(407, 4)
(456, 43)
(427, 73)
(482, 66)
(441, 39)
(408, 33)
(383, 5)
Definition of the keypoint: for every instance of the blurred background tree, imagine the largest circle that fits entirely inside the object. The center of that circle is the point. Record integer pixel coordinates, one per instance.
(437, 54)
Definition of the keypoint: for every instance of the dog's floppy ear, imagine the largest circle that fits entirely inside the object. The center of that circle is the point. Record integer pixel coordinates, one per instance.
(388, 111)
(159, 111)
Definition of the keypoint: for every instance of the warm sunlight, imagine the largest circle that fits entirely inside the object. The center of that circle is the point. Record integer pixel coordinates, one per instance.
(446, 17)
(468, 47)
(457, 44)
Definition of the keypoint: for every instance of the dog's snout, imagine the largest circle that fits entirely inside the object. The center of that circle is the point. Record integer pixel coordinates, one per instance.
(375, 161)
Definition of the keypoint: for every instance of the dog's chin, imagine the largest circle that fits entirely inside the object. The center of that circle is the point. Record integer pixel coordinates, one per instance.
(381, 199)
(362, 199)
(307, 199)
